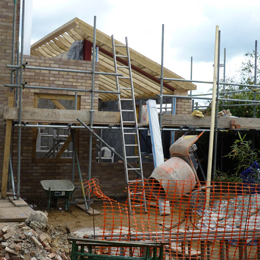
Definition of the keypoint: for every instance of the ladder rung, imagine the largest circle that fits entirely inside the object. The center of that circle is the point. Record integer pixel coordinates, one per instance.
(127, 110)
(134, 181)
(119, 45)
(128, 122)
(139, 205)
(126, 99)
(137, 180)
(124, 77)
(129, 145)
(121, 56)
(124, 88)
(134, 133)
(132, 156)
(133, 169)
(119, 66)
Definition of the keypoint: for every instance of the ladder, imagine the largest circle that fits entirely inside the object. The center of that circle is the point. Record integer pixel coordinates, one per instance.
(129, 125)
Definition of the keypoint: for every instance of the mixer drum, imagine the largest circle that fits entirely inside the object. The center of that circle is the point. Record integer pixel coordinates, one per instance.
(173, 178)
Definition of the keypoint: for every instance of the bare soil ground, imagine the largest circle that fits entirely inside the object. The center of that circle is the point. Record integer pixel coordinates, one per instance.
(75, 218)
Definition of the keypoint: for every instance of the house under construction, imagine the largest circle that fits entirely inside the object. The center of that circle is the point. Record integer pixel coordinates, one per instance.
(45, 93)
(58, 91)
(75, 109)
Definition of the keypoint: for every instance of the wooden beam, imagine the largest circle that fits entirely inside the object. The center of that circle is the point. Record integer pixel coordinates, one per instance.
(204, 122)
(58, 104)
(64, 147)
(61, 116)
(64, 41)
(54, 96)
(55, 33)
(68, 38)
(8, 133)
(113, 118)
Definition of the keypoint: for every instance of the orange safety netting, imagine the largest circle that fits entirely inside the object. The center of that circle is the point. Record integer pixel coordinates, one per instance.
(217, 222)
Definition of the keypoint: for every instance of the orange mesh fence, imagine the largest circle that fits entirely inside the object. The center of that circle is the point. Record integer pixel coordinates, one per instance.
(225, 224)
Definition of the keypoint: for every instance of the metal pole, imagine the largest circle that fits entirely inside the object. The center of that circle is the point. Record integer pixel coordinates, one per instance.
(63, 70)
(224, 70)
(17, 77)
(226, 99)
(66, 89)
(173, 113)
(161, 79)
(228, 92)
(191, 70)
(13, 41)
(255, 78)
(79, 171)
(72, 133)
(20, 108)
(116, 128)
(92, 100)
(12, 177)
(210, 82)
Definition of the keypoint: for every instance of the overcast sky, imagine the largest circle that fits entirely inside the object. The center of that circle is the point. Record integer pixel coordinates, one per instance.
(189, 28)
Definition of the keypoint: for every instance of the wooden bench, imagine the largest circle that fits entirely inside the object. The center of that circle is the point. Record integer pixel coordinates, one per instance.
(79, 245)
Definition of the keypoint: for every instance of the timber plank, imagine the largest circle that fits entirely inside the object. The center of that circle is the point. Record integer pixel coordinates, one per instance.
(5, 203)
(61, 116)
(58, 104)
(204, 122)
(15, 214)
(8, 133)
(19, 202)
(113, 118)
(91, 211)
(64, 147)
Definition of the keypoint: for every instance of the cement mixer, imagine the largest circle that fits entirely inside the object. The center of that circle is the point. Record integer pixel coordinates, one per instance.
(176, 176)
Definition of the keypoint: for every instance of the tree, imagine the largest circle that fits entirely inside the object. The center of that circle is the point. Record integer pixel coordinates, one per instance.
(246, 76)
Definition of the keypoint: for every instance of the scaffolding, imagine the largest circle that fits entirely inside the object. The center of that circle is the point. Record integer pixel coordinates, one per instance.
(20, 85)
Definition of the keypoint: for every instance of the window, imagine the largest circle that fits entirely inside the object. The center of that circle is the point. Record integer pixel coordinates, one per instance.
(53, 142)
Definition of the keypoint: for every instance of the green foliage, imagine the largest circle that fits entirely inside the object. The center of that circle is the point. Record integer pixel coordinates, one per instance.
(243, 155)
(226, 177)
(245, 76)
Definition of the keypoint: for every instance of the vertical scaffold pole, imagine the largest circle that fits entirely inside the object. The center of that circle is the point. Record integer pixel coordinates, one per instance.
(255, 79)
(20, 107)
(161, 92)
(92, 100)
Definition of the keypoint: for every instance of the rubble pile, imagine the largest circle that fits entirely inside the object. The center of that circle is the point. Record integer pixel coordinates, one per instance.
(239, 212)
(34, 239)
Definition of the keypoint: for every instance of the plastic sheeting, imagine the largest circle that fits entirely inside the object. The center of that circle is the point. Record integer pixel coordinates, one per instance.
(156, 138)
(76, 51)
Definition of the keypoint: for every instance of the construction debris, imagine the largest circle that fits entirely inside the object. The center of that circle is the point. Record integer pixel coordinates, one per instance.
(34, 239)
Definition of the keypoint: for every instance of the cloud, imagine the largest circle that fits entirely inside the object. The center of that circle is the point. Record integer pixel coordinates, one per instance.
(238, 25)
(49, 15)
(189, 28)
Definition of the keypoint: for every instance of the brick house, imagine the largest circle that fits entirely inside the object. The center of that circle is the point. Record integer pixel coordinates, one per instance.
(56, 108)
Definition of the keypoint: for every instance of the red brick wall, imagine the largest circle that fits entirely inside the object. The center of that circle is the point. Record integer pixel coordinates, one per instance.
(111, 175)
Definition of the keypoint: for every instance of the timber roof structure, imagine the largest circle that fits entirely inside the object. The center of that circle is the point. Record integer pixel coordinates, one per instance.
(145, 72)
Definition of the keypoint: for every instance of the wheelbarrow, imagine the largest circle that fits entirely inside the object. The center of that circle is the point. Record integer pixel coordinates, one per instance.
(58, 189)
